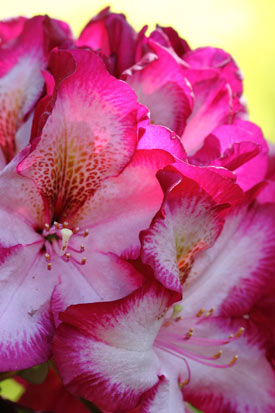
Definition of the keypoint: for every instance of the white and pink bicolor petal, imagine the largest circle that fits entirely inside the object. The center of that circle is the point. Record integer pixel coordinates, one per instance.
(104, 351)
(187, 223)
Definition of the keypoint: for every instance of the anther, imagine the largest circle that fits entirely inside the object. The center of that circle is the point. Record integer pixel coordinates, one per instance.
(47, 227)
(49, 265)
(56, 224)
(76, 230)
(184, 383)
(83, 260)
(47, 256)
(210, 312)
(233, 361)
(65, 224)
(200, 313)
(67, 255)
(189, 333)
(239, 332)
(86, 233)
(82, 248)
(217, 355)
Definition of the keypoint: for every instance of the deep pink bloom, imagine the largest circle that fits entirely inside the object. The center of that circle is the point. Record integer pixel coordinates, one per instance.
(71, 182)
(24, 54)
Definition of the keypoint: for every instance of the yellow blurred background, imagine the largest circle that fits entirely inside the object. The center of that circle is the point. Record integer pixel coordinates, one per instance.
(245, 28)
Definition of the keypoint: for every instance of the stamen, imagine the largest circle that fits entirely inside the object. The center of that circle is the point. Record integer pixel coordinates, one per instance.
(233, 361)
(47, 256)
(200, 313)
(217, 355)
(209, 313)
(86, 233)
(83, 260)
(189, 333)
(49, 266)
(47, 227)
(82, 248)
(67, 255)
(65, 224)
(56, 224)
(66, 235)
(76, 230)
(239, 332)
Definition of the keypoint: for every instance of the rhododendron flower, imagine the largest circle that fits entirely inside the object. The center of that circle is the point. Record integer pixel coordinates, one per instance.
(68, 182)
(137, 222)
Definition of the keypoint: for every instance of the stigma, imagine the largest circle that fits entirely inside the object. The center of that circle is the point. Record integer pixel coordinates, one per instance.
(64, 242)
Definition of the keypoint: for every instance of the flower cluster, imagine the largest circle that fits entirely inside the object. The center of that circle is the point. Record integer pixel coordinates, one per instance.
(137, 223)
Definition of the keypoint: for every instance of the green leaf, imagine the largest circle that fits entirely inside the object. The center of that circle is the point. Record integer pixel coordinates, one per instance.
(36, 374)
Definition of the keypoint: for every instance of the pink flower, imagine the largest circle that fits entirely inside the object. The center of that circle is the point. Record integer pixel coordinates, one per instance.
(24, 52)
(198, 347)
(70, 182)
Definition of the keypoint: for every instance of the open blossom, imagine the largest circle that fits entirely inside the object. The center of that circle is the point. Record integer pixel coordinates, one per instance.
(137, 214)
(196, 348)
(65, 214)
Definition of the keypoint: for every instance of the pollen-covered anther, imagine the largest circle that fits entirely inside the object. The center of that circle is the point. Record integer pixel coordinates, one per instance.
(47, 256)
(83, 260)
(67, 255)
(217, 355)
(233, 361)
(239, 332)
(75, 231)
(47, 227)
(209, 313)
(189, 333)
(56, 224)
(65, 224)
(49, 266)
(82, 248)
(200, 313)
(85, 233)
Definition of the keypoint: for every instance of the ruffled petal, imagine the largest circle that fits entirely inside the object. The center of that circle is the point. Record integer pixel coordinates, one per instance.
(124, 205)
(114, 37)
(90, 134)
(109, 357)
(231, 275)
(187, 223)
(161, 86)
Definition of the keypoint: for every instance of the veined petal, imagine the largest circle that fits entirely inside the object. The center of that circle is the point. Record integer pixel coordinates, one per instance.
(187, 223)
(232, 274)
(115, 220)
(104, 351)
(161, 86)
(91, 134)
(21, 200)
